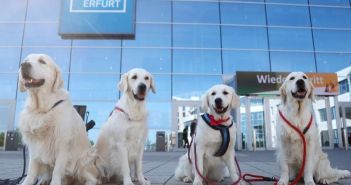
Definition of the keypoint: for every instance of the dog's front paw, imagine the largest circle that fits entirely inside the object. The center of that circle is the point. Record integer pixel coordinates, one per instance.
(187, 179)
(283, 182)
(197, 182)
(144, 182)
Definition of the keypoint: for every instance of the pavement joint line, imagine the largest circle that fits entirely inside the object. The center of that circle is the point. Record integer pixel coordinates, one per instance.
(253, 166)
(168, 179)
(160, 165)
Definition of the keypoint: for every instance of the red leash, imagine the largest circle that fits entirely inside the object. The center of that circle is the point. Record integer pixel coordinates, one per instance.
(256, 178)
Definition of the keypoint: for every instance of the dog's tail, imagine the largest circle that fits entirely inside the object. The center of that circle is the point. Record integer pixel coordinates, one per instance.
(325, 174)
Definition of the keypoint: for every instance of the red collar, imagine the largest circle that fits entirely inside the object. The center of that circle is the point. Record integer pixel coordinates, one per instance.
(295, 128)
(214, 122)
(120, 110)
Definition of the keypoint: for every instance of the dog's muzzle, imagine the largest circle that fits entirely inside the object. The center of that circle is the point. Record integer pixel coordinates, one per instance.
(26, 77)
(219, 109)
(301, 90)
(141, 92)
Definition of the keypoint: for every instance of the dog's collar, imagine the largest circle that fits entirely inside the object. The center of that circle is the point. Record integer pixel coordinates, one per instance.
(225, 134)
(56, 104)
(305, 130)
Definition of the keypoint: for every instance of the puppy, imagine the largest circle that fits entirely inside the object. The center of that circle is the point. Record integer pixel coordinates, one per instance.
(296, 106)
(58, 144)
(121, 141)
(214, 155)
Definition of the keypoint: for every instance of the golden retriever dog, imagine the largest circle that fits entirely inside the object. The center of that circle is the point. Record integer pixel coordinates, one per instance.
(58, 144)
(214, 154)
(121, 140)
(296, 106)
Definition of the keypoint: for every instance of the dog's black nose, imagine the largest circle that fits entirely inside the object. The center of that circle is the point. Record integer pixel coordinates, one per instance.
(25, 66)
(300, 83)
(142, 87)
(218, 101)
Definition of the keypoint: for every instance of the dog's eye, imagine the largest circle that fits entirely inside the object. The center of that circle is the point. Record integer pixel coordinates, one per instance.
(146, 78)
(304, 77)
(134, 77)
(292, 78)
(225, 92)
(42, 61)
(213, 93)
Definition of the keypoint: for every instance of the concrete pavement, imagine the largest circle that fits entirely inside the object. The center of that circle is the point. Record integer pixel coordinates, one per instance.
(159, 166)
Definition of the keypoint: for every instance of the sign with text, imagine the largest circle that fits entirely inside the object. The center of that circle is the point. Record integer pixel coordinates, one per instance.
(97, 19)
(268, 83)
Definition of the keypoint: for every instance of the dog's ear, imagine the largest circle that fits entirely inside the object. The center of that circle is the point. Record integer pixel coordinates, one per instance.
(283, 94)
(205, 102)
(152, 84)
(311, 96)
(235, 99)
(58, 82)
(123, 83)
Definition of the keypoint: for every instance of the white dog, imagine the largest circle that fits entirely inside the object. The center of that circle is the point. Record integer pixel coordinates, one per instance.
(214, 154)
(122, 138)
(58, 144)
(297, 97)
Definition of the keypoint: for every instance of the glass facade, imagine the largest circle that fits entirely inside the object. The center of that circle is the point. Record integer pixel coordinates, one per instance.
(187, 45)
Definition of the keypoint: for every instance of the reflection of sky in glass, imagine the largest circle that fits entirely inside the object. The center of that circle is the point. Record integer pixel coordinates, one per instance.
(244, 37)
(196, 36)
(239, 60)
(9, 59)
(291, 61)
(196, 12)
(151, 35)
(44, 34)
(327, 62)
(159, 115)
(332, 40)
(11, 10)
(290, 39)
(8, 86)
(288, 15)
(163, 86)
(11, 34)
(331, 17)
(153, 10)
(243, 13)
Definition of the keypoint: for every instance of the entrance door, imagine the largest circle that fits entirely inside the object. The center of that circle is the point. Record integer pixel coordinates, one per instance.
(183, 114)
(6, 122)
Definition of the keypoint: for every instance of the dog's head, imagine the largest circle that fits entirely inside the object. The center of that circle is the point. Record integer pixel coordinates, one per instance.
(220, 99)
(39, 71)
(137, 82)
(296, 87)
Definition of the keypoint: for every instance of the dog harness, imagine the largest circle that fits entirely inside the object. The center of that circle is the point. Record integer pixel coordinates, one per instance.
(120, 110)
(224, 130)
(305, 130)
(56, 104)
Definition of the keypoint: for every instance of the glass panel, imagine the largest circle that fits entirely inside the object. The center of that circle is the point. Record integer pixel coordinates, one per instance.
(96, 60)
(8, 84)
(245, 61)
(43, 10)
(159, 115)
(184, 88)
(153, 60)
(186, 121)
(290, 39)
(330, 2)
(244, 37)
(163, 88)
(196, 36)
(196, 12)
(288, 1)
(93, 87)
(151, 35)
(332, 40)
(61, 56)
(327, 62)
(97, 43)
(293, 61)
(197, 61)
(331, 17)
(12, 10)
(243, 13)
(153, 10)
(43, 34)
(288, 15)
(11, 34)
(9, 60)
(258, 122)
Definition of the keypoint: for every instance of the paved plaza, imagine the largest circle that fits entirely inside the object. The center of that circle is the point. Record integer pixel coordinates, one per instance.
(159, 166)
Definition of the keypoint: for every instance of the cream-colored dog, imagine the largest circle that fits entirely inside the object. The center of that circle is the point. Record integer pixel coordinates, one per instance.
(58, 144)
(218, 101)
(121, 141)
(296, 106)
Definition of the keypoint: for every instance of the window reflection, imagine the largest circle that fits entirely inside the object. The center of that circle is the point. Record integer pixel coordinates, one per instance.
(330, 2)
(43, 34)
(163, 86)
(184, 88)
(93, 86)
(243, 13)
(328, 62)
(244, 37)
(12, 10)
(245, 61)
(153, 60)
(284, 15)
(197, 61)
(151, 35)
(332, 40)
(9, 60)
(293, 61)
(331, 17)
(11, 34)
(197, 12)
(288, 1)
(95, 60)
(43, 10)
(159, 115)
(153, 10)
(290, 39)
(8, 86)
(196, 36)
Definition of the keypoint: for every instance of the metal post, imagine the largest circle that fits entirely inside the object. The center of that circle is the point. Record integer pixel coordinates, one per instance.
(267, 122)
(338, 120)
(248, 124)
(329, 122)
(345, 127)
(239, 137)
